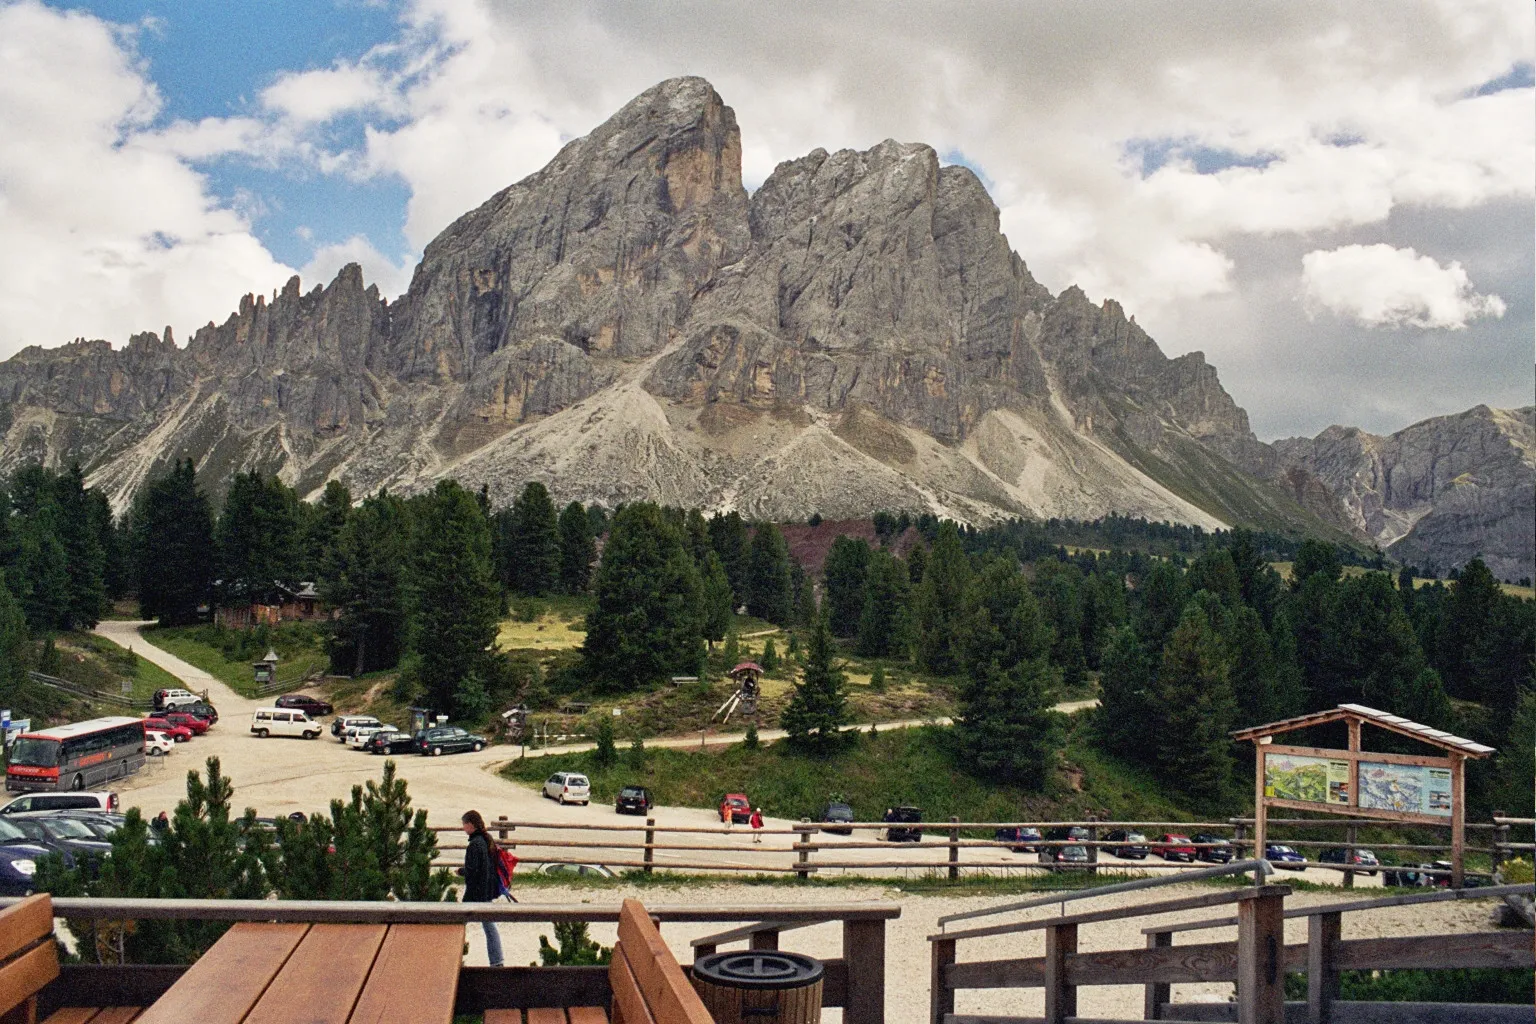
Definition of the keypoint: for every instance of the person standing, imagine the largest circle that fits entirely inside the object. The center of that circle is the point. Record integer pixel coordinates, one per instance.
(479, 871)
(756, 821)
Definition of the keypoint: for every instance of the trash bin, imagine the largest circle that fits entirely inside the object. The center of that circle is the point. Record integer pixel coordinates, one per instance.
(760, 986)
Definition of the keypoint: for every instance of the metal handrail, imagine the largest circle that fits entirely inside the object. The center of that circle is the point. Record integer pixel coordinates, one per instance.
(1239, 867)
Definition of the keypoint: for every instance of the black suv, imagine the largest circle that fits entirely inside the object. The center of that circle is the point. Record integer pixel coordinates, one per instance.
(390, 741)
(633, 800)
(312, 706)
(835, 814)
(1219, 852)
(1133, 845)
(447, 739)
(903, 816)
(201, 709)
(1022, 837)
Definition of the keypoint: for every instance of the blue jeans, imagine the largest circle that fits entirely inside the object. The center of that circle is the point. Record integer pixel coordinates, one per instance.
(492, 942)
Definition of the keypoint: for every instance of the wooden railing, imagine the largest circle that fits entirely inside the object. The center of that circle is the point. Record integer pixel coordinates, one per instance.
(625, 846)
(1257, 961)
(855, 981)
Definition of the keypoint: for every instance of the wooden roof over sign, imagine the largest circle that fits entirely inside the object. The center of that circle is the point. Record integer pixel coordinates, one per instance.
(1359, 712)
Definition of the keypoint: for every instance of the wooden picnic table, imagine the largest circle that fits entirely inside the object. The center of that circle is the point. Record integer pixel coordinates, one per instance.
(273, 973)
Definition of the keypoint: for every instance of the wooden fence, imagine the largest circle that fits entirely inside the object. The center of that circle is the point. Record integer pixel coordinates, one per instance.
(1257, 961)
(626, 846)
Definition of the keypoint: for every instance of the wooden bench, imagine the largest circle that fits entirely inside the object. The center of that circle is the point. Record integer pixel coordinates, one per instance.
(29, 960)
(649, 987)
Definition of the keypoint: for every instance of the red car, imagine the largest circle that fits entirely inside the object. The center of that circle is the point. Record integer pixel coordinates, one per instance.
(186, 721)
(179, 733)
(1171, 846)
(734, 807)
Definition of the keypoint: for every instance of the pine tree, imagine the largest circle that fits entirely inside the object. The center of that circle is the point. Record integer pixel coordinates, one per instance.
(768, 580)
(645, 625)
(818, 706)
(1195, 705)
(322, 525)
(454, 604)
(13, 648)
(364, 579)
(805, 595)
(844, 573)
(535, 553)
(729, 537)
(40, 574)
(577, 549)
(605, 754)
(116, 568)
(257, 539)
(770, 657)
(1469, 608)
(917, 564)
(84, 558)
(1058, 587)
(173, 547)
(714, 599)
(885, 624)
(1315, 558)
(939, 600)
(730, 653)
(1163, 593)
(1125, 718)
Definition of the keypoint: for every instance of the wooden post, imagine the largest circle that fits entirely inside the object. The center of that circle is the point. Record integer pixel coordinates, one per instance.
(1060, 998)
(1260, 829)
(1458, 818)
(1351, 836)
(1500, 837)
(1322, 976)
(864, 955)
(1093, 849)
(1260, 957)
(765, 939)
(650, 838)
(802, 855)
(1158, 993)
(1239, 835)
(941, 998)
(954, 850)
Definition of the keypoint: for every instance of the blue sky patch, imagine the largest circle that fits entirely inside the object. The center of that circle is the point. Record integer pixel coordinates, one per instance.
(1521, 76)
(1154, 154)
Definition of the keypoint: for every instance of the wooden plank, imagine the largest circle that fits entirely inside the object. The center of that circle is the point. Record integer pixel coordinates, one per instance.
(503, 1016)
(227, 980)
(72, 1015)
(1019, 973)
(22, 924)
(1437, 896)
(1261, 960)
(587, 1015)
(1322, 973)
(1209, 899)
(1156, 993)
(1356, 812)
(1473, 949)
(539, 1015)
(1060, 993)
(1458, 819)
(482, 989)
(25, 976)
(667, 992)
(941, 996)
(321, 980)
(628, 1001)
(864, 953)
(1166, 966)
(1334, 754)
(116, 1015)
(415, 977)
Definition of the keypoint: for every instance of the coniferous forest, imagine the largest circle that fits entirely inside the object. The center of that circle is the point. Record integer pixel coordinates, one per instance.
(1183, 635)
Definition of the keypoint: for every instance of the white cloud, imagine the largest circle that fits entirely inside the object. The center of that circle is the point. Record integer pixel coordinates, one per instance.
(1380, 286)
(107, 229)
(391, 277)
(308, 97)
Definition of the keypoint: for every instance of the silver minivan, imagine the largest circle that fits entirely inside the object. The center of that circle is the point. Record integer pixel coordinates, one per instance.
(568, 788)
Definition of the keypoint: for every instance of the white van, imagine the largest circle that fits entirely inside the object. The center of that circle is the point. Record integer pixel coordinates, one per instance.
(284, 722)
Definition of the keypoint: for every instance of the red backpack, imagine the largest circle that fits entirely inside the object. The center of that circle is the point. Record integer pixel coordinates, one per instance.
(505, 863)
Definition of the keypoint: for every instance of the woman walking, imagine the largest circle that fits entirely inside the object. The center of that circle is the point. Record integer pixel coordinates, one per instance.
(756, 821)
(480, 885)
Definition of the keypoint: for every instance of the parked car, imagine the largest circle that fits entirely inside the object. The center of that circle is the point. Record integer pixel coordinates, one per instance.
(1218, 852)
(103, 823)
(895, 817)
(63, 834)
(358, 735)
(735, 808)
(447, 739)
(284, 722)
(341, 723)
(836, 815)
(186, 721)
(18, 860)
(580, 870)
(177, 733)
(1023, 838)
(157, 743)
(1172, 846)
(173, 697)
(1072, 857)
(97, 801)
(312, 706)
(201, 709)
(1284, 857)
(1362, 858)
(1133, 845)
(390, 743)
(568, 788)
(633, 800)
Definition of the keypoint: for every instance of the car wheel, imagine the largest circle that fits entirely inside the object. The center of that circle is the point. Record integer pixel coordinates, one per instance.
(262, 733)
(561, 799)
(437, 751)
(311, 735)
(79, 783)
(476, 747)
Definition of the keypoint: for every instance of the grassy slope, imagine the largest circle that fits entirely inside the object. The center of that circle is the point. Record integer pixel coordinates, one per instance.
(101, 664)
(1513, 590)
(299, 655)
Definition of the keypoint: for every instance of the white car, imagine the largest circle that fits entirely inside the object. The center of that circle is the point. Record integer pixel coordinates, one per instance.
(341, 723)
(157, 743)
(356, 737)
(568, 788)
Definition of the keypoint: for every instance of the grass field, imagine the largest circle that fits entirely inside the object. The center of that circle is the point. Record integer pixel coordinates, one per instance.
(544, 624)
(102, 665)
(227, 655)
(1513, 590)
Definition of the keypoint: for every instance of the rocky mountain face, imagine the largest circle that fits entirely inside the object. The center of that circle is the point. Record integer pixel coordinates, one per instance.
(628, 323)
(1435, 494)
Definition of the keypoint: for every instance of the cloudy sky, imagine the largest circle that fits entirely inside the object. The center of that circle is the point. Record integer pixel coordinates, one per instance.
(1334, 201)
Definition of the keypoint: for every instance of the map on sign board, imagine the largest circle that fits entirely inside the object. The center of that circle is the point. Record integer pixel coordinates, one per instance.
(1408, 788)
(1318, 780)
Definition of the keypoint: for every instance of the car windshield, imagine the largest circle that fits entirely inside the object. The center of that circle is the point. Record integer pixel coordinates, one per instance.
(1135, 837)
(632, 791)
(577, 780)
(34, 752)
(65, 828)
(1282, 849)
(100, 828)
(10, 833)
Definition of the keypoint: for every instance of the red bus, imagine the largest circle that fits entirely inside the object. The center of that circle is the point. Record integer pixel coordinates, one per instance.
(82, 755)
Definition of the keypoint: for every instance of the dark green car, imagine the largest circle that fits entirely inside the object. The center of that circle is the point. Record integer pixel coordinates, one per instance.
(447, 739)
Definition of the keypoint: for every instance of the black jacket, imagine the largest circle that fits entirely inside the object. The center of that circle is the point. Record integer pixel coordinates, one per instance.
(480, 885)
